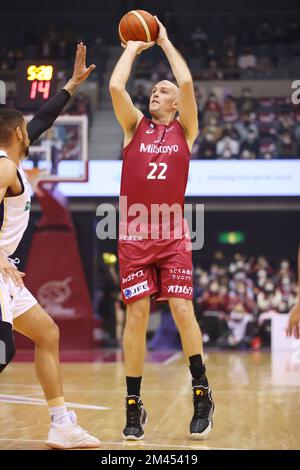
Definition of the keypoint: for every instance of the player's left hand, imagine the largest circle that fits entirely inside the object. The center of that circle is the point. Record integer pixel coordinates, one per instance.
(294, 322)
(81, 71)
(163, 35)
(137, 46)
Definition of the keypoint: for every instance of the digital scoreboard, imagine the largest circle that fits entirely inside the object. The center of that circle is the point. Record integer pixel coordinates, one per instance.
(36, 83)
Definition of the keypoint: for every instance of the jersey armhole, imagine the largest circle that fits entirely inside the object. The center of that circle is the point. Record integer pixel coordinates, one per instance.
(19, 177)
(22, 183)
(184, 136)
(135, 132)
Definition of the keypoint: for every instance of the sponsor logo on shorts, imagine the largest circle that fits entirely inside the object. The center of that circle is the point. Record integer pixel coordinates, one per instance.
(180, 290)
(136, 290)
(27, 206)
(180, 271)
(132, 276)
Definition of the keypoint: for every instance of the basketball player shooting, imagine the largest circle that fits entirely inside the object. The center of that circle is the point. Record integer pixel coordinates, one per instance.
(18, 308)
(156, 157)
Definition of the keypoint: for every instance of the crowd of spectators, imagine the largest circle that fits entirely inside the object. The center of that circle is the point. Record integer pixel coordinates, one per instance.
(53, 43)
(258, 51)
(236, 298)
(243, 127)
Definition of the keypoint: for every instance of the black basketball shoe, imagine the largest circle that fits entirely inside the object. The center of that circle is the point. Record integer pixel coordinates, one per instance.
(204, 406)
(136, 418)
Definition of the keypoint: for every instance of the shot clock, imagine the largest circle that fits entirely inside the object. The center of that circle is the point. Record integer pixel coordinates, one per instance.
(36, 83)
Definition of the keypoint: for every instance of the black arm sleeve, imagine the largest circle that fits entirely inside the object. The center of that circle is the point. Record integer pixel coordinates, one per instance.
(46, 115)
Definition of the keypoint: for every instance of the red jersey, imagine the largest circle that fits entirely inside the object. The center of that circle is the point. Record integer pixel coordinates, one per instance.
(155, 166)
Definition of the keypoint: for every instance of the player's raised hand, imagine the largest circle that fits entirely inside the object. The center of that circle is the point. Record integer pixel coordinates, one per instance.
(162, 35)
(81, 71)
(294, 322)
(138, 46)
(9, 271)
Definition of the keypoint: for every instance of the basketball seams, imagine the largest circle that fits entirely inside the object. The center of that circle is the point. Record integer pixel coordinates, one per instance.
(144, 24)
(130, 26)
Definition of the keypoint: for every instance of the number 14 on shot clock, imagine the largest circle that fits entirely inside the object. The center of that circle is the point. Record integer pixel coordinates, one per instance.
(36, 83)
(40, 77)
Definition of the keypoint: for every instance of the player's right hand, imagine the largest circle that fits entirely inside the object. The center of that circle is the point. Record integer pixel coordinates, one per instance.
(138, 46)
(294, 322)
(9, 271)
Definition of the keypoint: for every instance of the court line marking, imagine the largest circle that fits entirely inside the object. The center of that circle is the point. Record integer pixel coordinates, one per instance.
(145, 444)
(195, 447)
(22, 440)
(3, 384)
(22, 400)
(172, 358)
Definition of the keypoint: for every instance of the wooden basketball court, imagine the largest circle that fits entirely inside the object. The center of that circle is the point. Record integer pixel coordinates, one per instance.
(256, 394)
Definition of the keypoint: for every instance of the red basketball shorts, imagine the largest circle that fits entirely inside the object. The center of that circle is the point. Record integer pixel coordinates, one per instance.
(159, 268)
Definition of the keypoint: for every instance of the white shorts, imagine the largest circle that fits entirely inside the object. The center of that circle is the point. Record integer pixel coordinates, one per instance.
(14, 301)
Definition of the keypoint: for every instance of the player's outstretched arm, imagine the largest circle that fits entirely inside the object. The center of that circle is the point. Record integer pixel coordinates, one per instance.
(8, 175)
(294, 316)
(187, 107)
(125, 111)
(47, 114)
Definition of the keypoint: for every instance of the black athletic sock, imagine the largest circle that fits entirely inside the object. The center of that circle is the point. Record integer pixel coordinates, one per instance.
(133, 385)
(198, 370)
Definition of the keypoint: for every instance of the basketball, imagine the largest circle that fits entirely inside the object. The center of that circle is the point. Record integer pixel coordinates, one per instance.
(138, 25)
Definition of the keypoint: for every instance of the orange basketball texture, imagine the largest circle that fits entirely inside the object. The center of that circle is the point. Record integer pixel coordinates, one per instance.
(138, 25)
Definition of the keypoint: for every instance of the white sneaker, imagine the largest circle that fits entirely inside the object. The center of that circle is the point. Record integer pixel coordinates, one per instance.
(70, 436)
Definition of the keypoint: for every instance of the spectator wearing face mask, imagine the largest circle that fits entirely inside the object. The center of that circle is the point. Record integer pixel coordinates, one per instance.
(205, 148)
(251, 144)
(284, 270)
(240, 295)
(230, 113)
(260, 280)
(213, 308)
(246, 123)
(286, 287)
(228, 147)
(213, 300)
(247, 103)
(241, 328)
(262, 263)
(286, 147)
(240, 276)
(212, 108)
(213, 127)
(239, 263)
(247, 62)
(214, 271)
(269, 298)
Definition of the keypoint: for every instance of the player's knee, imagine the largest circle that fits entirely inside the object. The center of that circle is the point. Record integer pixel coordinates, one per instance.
(7, 345)
(50, 337)
(183, 312)
(53, 334)
(137, 317)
